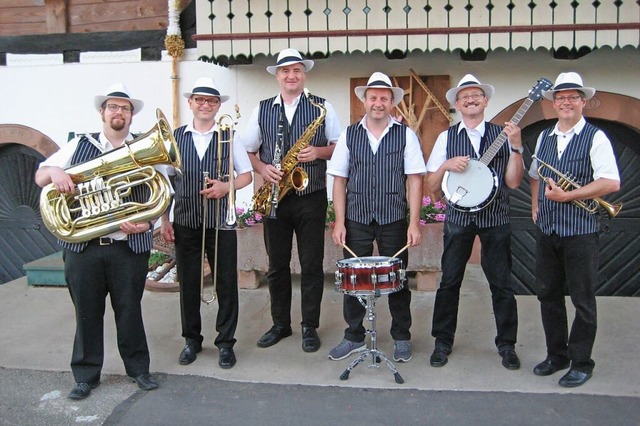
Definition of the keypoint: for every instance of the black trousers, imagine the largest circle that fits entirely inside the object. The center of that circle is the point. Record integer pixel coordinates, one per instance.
(390, 239)
(568, 264)
(496, 264)
(304, 216)
(188, 244)
(91, 275)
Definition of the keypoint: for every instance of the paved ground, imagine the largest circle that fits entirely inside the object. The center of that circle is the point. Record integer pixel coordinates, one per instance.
(283, 385)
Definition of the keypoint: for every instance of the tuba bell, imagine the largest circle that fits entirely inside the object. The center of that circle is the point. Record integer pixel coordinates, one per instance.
(97, 206)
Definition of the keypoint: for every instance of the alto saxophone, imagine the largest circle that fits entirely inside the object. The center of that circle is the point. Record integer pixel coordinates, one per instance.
(294, 177)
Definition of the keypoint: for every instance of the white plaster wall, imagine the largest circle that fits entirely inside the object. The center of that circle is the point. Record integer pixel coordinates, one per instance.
(56, 99)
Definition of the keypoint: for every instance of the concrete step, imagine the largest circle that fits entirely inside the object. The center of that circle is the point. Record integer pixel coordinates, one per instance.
(48, 271)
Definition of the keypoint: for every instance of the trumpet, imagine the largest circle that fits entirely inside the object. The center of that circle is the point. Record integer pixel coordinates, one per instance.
(567, 183)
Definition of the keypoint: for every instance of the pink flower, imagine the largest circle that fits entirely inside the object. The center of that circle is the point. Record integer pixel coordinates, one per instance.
(440, 217)
(426, 200)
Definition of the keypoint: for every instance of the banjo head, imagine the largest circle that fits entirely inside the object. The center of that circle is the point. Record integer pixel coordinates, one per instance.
(472, 189)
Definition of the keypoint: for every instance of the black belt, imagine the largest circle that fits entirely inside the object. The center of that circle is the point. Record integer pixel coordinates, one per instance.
(105, 241)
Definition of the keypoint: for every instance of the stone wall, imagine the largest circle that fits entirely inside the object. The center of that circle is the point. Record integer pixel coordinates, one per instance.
(424, 260)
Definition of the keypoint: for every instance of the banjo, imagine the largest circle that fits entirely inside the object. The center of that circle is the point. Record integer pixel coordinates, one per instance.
(477, 185)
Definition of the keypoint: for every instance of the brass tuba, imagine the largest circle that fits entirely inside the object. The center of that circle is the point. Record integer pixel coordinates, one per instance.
(567, 183)
(97, 208)
(294, 177)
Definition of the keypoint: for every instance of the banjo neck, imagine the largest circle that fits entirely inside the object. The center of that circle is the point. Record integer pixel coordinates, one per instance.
(502, 137)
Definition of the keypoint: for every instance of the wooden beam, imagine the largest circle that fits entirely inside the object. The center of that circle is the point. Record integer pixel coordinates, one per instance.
(420, 31)
(56, 16)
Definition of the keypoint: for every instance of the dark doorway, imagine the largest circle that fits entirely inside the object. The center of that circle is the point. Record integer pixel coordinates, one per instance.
(619, 274)
(23, 237)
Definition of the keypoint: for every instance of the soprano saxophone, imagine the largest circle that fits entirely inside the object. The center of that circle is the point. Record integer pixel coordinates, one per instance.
(294, 177)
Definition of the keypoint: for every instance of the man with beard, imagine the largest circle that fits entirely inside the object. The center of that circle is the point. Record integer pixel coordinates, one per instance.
(115, 264)
(374, 162)
(451, 152)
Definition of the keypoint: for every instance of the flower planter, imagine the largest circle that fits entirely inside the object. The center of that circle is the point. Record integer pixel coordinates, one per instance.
(424, 259)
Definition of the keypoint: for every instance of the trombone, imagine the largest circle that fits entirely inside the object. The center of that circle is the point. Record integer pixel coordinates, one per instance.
(567, 183)
(225, 124)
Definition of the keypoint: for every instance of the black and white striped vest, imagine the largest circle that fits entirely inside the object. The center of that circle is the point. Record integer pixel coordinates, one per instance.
(305, 114)
(566, 219)
(497, 212)
(188, 207)
(376, 184)
(138, 243)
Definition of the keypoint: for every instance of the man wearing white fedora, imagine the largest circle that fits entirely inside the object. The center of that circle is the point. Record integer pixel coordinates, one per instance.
(471, 138)
(116, 263)
(373, 161)
(275, 127)
(198, 145)
(567, 249)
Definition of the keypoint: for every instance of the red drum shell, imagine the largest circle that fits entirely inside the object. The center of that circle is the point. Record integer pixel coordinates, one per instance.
(369, 275)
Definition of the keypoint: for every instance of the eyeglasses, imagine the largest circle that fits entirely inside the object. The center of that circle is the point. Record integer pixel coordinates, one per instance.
(562, 99)
(124, 108)
(473, 96)
(212, 102)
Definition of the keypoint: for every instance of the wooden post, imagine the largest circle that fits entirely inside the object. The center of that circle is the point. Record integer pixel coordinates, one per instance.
(56, 15)
(175, 86)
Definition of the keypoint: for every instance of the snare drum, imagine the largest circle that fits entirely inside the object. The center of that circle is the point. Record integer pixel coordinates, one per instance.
(369, 275)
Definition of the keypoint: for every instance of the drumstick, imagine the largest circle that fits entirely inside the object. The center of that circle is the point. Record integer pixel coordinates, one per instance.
(352, 253)
(401, 250)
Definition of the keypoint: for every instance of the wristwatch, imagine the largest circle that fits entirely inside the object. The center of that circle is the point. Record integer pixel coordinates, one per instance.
(517, 150)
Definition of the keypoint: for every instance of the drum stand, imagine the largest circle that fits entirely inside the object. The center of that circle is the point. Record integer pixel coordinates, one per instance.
(369, 302)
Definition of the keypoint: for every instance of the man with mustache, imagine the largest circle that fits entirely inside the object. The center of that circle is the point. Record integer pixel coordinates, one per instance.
(115, 264)
(451, 152)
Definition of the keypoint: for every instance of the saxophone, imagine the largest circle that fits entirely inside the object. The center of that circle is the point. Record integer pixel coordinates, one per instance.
(294, 176)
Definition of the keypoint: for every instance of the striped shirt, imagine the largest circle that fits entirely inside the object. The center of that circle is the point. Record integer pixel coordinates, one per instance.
(138, 243)
(266, 120)
(377, 170)
(188, 203)
(459, 144)
(566, 219)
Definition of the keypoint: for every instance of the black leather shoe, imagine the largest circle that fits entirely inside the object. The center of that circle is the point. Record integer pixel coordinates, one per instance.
(310, 339)
(439, 356)
(574, 378)
(226, 358)
(82, 390)
(548, 367)
(510, 360)
(146, 382)
(188, 354)
(274, 335)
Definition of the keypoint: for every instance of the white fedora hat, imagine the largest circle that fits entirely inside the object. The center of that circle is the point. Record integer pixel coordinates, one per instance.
(118, 91)
(379, 80)
(569, 81)
(206, 87)
(289, 57)
(466, 82)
